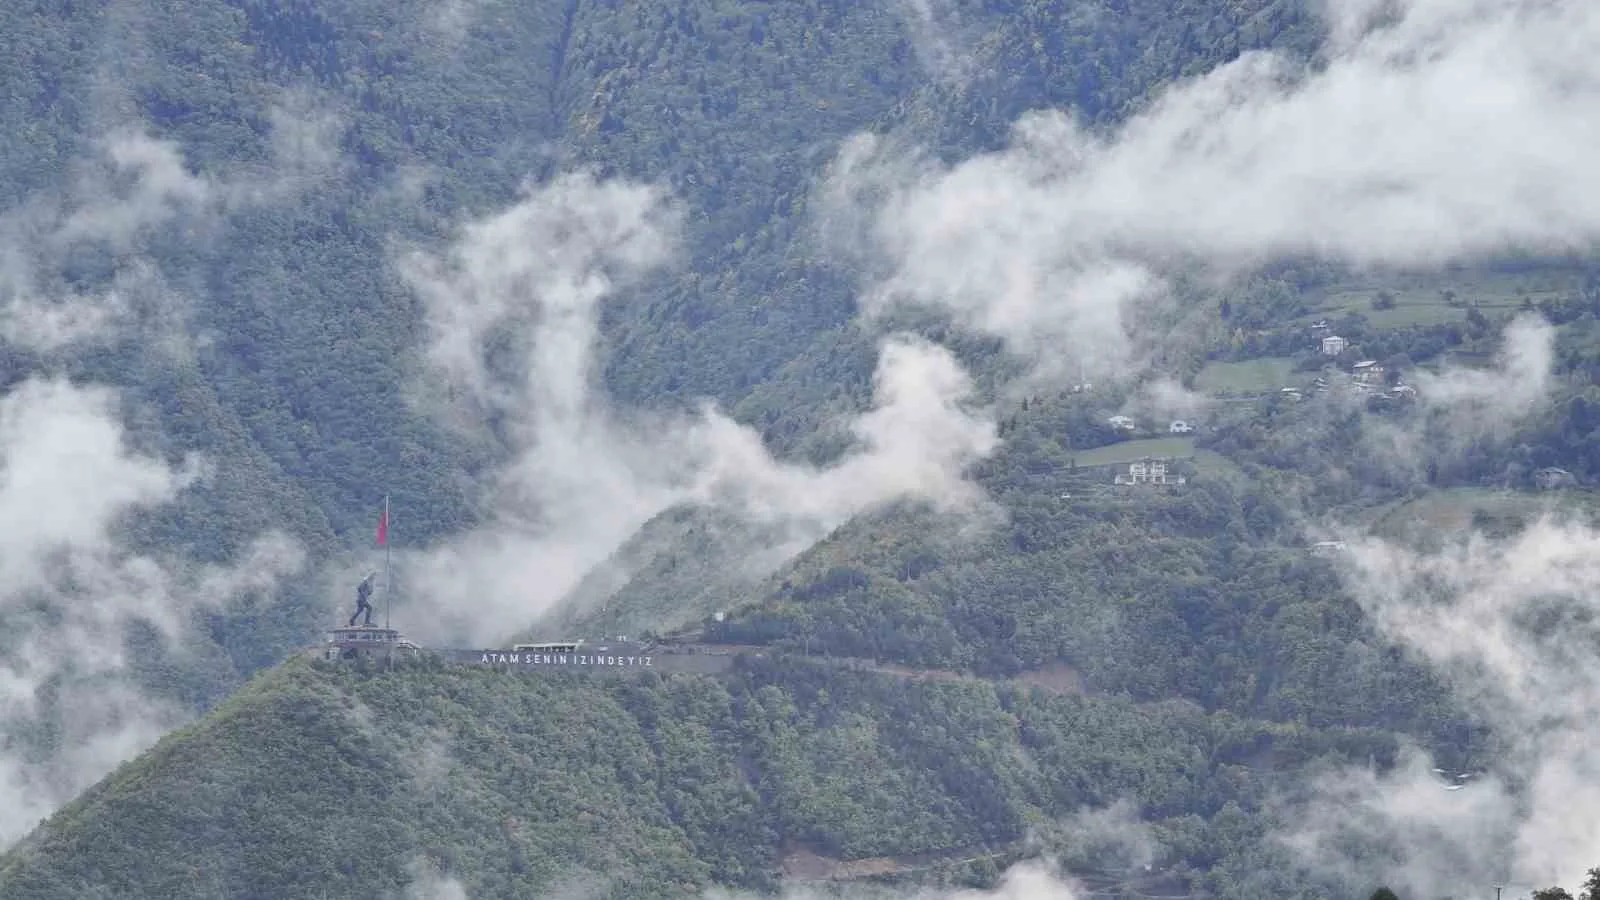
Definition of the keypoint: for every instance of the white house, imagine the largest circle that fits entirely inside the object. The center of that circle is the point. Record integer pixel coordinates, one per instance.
(1333, 345)
(1121, 423)
(1550, 478)
(1149, 471)
(1367, 372)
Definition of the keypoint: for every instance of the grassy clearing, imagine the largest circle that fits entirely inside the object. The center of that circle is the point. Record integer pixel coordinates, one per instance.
(1210, 462)
(1420, 300)
(1133, 451)
(1251, 376)
(1450, 511)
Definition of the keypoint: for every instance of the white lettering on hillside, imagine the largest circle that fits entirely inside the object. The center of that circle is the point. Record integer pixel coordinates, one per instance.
(515, 658)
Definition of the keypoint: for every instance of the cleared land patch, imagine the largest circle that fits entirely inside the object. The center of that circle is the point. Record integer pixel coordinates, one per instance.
(1451, 512)
(1250, 376)
(1428, 300)
(1133, 451)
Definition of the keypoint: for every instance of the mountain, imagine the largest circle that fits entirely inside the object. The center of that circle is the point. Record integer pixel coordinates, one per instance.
(254, 167)
(316, 778)
(1123, 445)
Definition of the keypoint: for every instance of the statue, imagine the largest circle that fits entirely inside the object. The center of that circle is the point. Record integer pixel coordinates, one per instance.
(363, 604)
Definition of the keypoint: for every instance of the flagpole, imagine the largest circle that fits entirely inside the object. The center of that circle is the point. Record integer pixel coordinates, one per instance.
(388, 568)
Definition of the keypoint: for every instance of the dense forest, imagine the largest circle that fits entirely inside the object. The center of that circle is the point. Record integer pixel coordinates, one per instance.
(1196, 553)
(318, 779)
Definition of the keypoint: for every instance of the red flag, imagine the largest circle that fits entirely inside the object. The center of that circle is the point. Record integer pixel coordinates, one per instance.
(383, 526)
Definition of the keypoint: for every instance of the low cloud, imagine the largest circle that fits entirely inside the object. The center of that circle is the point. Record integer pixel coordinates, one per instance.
(1502, 396)
(70, 275)
(306, 129)
(513, 307)
(915, 442)
(1462, 407)
(1406, 829)
(446, 23)
(74, 265)
(1436, 132)
(941, 41)
(136, 183)
(90, 626)
(428, 883)
(1164, 398)
(72, 705)
(1109, 837)
(1512, 623)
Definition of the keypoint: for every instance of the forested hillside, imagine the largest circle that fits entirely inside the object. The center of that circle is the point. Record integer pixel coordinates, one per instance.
(1135, 449)
(302, 141)
(206, 211)
(315, 779)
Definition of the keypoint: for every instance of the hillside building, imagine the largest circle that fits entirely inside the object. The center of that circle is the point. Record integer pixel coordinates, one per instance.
(1367, 373)
(1148, 471)
(1551, 478)
(366, 642)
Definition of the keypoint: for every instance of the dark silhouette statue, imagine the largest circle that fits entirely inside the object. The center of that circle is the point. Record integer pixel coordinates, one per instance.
(363, 600)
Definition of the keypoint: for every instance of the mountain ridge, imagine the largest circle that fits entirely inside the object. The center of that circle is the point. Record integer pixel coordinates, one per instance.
(374, 756)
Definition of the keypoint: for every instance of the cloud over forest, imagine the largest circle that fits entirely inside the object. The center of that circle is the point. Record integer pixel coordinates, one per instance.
(1446, 131)
(1441, 132)
(71, 704)
(1511, 623)
(1432, 132)
(85, 614)
(1507, 622)
(75, 268)
(512, 307)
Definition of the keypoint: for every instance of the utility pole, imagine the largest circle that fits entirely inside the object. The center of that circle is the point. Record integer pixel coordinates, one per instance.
(388, 563)
(388, 577)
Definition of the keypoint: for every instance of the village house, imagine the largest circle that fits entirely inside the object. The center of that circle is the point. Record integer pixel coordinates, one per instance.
(1121, 423)
(1367, 373)
(1333, 345)
(1148, 471)
(1550, 478)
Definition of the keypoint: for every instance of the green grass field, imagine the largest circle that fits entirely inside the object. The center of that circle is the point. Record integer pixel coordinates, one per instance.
(1251, 376)
(1419, 300)
(1449, 512)
(1133, 451)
